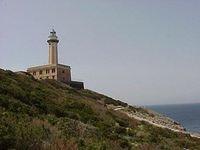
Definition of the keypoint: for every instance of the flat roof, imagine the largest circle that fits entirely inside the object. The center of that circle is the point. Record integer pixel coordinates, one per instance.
(48, 66)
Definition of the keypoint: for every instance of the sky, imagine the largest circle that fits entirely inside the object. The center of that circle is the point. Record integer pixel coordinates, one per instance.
(143, 52)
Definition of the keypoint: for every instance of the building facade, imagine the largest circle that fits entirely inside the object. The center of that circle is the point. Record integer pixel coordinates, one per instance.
(54, 70)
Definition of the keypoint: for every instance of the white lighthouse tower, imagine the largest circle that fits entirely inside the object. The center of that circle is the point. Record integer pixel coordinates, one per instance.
(54, 70)
(53, 47)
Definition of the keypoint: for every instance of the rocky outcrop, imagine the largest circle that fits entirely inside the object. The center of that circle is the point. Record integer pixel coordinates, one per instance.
(149, 116)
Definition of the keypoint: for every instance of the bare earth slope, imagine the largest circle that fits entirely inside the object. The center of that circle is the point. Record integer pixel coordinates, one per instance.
(50, 115)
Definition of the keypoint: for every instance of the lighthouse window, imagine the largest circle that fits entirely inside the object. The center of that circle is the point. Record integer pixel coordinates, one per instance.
(53, 70)
(34, 73)
(47, 71)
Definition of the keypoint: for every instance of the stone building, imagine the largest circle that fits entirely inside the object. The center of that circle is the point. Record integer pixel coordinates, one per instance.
(54, 70)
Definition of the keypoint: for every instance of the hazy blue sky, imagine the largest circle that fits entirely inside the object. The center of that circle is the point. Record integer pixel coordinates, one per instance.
(139, 51)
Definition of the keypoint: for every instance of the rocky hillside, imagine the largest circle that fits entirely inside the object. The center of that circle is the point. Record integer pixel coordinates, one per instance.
(149, 116)
(50, 115)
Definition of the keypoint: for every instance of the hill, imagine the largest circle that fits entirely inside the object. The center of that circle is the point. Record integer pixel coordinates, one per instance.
(51, 115)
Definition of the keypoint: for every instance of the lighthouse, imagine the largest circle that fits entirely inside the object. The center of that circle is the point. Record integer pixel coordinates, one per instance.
(53, 47)
(54, 70)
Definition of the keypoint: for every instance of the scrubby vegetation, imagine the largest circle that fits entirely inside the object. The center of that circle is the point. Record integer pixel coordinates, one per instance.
(50, 115)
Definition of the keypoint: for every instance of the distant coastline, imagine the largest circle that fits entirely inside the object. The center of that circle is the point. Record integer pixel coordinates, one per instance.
(186, 114)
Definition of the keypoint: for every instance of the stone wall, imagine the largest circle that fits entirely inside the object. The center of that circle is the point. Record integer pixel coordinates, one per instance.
(43, 72)
(63, 75)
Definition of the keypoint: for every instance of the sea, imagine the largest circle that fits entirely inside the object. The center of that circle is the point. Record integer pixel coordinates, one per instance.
(188, 115)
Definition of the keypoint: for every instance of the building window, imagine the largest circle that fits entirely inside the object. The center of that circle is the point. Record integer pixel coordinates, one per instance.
(40, 71)
(34, 73)
(53, 77)
(40, 78)
(63, 78)
(63, 71)
(47, 77)
(53, 70)
(47, 71)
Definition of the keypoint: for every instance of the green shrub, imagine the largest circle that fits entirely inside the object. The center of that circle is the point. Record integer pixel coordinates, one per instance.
(50, 115)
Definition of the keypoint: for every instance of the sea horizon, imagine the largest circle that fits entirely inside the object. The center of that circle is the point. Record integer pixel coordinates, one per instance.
(191, 103)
